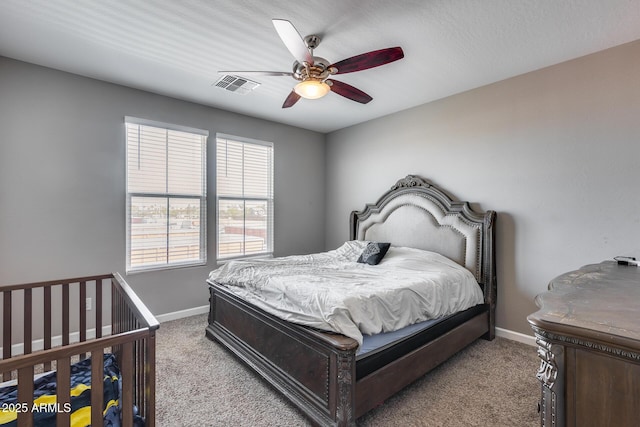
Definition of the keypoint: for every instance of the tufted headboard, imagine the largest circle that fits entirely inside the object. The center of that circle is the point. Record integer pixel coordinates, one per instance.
(417, 214)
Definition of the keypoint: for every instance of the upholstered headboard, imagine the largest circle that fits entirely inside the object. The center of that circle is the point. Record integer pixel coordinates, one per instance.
(417, 214)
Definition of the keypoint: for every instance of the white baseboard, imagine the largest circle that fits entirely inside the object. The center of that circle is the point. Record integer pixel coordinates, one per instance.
(516, 336)
(37, 345)
(175, 315)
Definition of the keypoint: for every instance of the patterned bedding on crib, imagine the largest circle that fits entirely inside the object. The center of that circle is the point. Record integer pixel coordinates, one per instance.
(45, 407)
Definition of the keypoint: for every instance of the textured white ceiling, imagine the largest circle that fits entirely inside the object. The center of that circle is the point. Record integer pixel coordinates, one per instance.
(175, 48)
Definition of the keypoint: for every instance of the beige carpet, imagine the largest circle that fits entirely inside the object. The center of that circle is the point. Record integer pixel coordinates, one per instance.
(201, 384)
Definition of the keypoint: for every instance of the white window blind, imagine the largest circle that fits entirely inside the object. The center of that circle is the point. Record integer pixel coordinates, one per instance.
(244, 179)
(166, 195)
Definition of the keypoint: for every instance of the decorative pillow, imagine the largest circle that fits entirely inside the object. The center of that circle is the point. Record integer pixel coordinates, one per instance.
(373, 253)
(351, 250)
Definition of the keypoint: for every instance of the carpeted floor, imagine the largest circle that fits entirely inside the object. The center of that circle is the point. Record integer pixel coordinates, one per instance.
(201, 384)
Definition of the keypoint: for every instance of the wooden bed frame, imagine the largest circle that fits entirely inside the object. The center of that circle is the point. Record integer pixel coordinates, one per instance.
(317, 370)
(53, 316)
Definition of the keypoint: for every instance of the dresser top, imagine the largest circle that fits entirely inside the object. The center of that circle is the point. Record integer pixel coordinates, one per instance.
(597, 301)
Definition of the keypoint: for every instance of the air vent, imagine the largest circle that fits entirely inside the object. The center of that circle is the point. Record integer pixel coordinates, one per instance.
(236, 84)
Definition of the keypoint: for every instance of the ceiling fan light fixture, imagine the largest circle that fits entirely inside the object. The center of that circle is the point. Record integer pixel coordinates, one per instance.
(312, 89)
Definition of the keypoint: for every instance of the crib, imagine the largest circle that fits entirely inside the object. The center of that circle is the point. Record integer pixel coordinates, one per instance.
(57, 328)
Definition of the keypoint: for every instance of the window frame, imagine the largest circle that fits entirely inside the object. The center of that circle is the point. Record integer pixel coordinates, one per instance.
(202, 198)
(269, 201)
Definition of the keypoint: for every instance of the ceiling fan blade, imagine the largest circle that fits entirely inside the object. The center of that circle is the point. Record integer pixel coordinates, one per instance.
(291, 100)
(293, 41)
(257, 73)
(369, 60)
(349, 92)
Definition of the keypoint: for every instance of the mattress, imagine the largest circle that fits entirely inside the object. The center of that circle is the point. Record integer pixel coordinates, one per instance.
(331, 291)
(379, 350)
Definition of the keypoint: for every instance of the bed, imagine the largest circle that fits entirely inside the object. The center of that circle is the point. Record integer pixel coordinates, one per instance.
(325, 373)
(78, 351)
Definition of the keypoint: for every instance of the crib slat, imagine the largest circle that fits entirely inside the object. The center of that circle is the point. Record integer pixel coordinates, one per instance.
(6, 330)
(115, 317)
(127, 383)
(97, 389)
(98, 308)
(150, 382)
(114, 321)
(83, 315)
(122, 326)
(63, 390)
(27, 321)
(47, 324)
(65, 314)
(139, 367)
(25, 396)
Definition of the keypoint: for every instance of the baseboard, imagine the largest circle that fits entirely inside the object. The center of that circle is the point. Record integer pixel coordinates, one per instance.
(516, 336)
(18, 349)
(56, 341)
(175, 315)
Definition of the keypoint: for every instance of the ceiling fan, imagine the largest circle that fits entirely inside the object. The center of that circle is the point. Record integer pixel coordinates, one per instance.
(313, 73)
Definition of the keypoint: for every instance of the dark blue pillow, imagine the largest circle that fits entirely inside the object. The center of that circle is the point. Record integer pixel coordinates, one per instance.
(373, 253)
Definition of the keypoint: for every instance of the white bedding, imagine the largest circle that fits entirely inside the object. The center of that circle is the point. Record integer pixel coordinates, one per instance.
(331, 291)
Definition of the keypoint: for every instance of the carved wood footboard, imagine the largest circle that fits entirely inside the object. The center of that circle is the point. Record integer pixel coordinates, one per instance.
(315, 370)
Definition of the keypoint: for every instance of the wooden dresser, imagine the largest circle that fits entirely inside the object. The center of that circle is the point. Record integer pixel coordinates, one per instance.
(588, 336)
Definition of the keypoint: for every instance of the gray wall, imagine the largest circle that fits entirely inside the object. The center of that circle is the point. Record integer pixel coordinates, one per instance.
(556, 152)
(62, 180)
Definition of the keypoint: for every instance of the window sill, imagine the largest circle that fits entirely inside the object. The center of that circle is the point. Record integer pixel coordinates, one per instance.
(223, 261)
(150, 269)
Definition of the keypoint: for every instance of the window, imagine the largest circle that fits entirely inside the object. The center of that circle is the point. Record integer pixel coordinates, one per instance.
(244, 177)
(166, 195)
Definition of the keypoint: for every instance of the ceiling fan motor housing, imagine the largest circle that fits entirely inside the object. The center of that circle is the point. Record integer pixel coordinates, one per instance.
(320, 69)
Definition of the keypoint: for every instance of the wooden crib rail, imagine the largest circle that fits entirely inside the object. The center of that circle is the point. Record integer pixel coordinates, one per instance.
(42, 284)
(130, 300)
